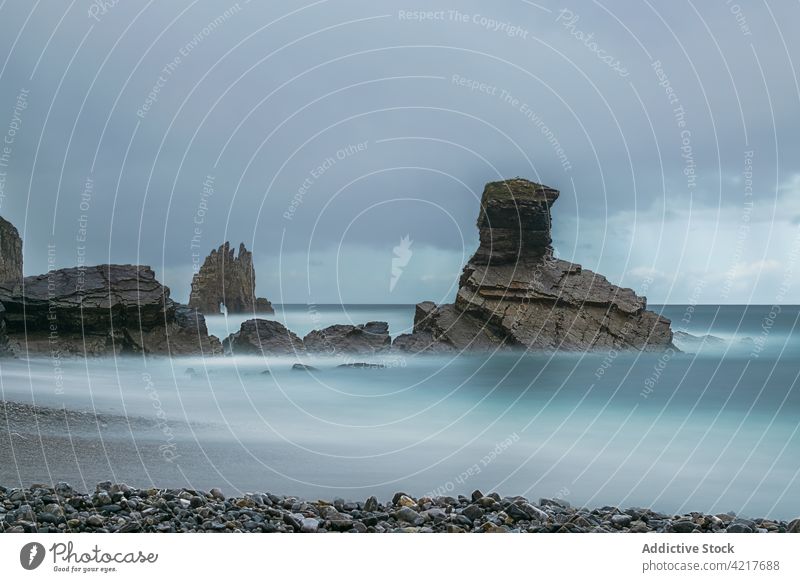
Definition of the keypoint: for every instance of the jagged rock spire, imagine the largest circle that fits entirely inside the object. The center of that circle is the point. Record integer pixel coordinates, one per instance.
(227, 279)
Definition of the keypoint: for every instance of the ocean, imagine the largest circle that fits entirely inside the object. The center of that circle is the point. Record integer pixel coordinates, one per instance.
(711, 427)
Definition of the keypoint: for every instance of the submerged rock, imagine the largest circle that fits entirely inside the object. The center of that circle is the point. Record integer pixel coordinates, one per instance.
(696, 341)
(362, 366)
(101, 310)
(263, 336)
(369, 338)
(304, 368)
(513, 293)
(229, 280)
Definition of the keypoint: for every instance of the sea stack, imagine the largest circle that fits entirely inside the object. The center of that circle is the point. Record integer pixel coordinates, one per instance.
(229, 280)
(513, 293)
(10, 271)
(10, 252)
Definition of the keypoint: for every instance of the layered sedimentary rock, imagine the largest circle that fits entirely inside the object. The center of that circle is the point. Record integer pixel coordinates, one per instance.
(10, 271)
(230, 280)
(370, 338)
(263, 337)
(101, 310)
(443, 329)
(185, 334)
(10, 252)
(5, 347)
(514, 294)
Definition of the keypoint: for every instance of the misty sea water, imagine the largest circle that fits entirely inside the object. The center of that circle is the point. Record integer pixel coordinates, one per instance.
(711, 427)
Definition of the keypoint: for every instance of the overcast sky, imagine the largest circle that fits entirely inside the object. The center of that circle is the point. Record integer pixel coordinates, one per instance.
(322, 134)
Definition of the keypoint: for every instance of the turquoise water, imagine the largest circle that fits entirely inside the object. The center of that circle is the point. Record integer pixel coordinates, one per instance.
(711, 428)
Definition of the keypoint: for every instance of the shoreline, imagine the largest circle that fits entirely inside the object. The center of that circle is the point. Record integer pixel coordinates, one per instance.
(62, 432)
(123, 509)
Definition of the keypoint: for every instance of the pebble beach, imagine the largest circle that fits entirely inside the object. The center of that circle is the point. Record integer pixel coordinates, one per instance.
(123, 509)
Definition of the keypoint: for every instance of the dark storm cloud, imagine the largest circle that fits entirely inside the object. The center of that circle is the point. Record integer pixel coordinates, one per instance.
(335, 129)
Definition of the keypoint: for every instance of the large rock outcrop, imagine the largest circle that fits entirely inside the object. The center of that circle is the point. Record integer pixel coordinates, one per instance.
(369, 338)
(514, 294)
(10, 252)
(101, 310)
(185, 334)
(227, 279)
(263, 337)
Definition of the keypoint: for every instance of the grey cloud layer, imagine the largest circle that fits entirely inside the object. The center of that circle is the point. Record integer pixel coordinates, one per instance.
(335, 130)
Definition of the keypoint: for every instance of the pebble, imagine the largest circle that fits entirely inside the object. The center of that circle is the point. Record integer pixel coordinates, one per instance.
(61, 509)
(745, 522)
(406, 501)
(17, 495)
(684, 526)
(397, 496)
(371, 504)
(621, 520)
(409, 515)
(472, 512)
(341, 524)
(435, 514)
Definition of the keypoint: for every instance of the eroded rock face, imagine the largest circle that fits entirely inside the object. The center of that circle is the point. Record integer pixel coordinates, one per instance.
(444, 329)
(5, 348)
(370, 338)
(514, 294)
(514, 222)
(10, 252)
(419, 342)
(228, 279)
(101, 310)
(263, 336)
(186, 334)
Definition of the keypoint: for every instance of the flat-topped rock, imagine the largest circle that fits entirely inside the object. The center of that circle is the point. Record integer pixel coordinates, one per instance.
(101, 310)
(514, 221)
